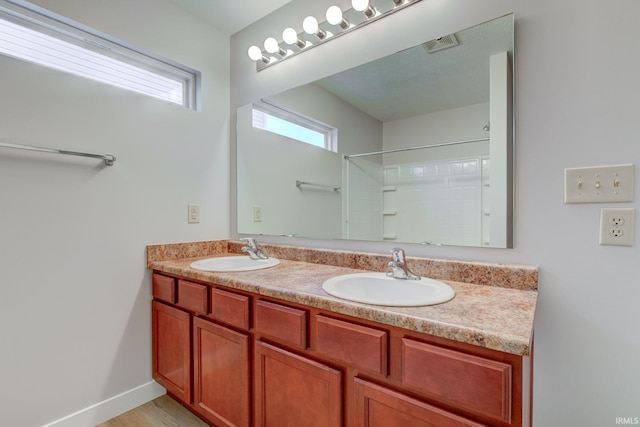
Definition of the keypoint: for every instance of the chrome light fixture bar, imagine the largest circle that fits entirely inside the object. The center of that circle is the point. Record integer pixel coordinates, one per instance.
(314, 33)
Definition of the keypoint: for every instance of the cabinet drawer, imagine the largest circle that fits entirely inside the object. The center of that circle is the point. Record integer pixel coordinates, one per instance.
(281, 322)
(230, 308)
(164, 288)
(357, 345)
(471, 383)
(192, 297)
(376, 405)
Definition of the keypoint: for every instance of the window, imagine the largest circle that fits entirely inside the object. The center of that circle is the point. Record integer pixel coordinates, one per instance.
(294, 126)
(37, 35)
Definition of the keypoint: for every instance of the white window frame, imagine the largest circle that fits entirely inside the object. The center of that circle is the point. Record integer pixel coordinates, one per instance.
(330, 133)
(91, 43)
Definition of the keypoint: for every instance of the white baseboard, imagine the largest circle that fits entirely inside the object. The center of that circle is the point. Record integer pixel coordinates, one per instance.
(112, 407)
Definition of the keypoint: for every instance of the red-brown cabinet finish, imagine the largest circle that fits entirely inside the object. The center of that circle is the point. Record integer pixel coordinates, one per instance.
(192, 297)
(286, 324)
(357, 345)
(221, 374)
(378, 406)
(237, 358)
(171, 360)
(164, 288)
(291, 390)
(465, 381)
(230, 308)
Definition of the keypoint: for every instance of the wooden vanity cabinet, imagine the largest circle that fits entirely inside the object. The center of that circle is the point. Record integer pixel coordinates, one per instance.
(202, 362)
(171, 351)
(221, 369)
(292, 390)
(242, 359)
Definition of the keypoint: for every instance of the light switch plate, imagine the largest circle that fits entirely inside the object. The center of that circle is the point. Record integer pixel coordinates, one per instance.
(257, 214)
(599, 184)
(193, 216)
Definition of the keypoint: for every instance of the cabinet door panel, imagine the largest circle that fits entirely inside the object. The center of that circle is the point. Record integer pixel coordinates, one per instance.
(291, 390)
(192, 296)
(286, 324)
(172, 349)
(230, 308)
(472, 383)
(377, 406)
(361, 346)
(221, 374)
(164, 288)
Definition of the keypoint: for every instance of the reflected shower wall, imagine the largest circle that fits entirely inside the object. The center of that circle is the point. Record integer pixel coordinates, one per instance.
(437, 202)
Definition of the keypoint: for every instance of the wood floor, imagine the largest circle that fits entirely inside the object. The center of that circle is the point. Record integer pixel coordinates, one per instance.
(161, 412)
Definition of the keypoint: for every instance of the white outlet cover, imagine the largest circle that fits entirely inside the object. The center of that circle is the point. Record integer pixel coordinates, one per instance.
(599, 184)
(617, 226)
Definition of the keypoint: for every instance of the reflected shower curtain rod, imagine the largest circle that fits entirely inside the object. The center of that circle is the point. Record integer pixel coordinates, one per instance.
(444, 144)
(108, 158)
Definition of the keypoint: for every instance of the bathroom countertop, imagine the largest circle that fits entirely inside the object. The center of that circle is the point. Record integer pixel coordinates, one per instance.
(495, 317)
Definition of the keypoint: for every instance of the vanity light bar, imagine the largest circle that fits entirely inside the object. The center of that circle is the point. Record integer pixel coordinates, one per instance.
(315, 33)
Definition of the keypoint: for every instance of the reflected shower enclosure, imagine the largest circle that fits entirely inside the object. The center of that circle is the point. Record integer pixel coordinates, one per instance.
(436, 202)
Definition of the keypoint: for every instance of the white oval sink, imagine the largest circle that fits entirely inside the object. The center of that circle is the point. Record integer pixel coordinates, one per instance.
(380, 289)
(234, 263)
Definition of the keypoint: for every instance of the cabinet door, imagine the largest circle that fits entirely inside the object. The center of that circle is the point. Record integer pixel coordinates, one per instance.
(291, 390)
(221, 374)
(377, 406)
(171, 351)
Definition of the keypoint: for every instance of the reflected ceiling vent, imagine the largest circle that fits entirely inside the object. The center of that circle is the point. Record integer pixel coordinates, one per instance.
(441, 43)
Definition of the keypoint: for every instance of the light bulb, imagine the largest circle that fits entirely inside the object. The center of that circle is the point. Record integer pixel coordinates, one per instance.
(271, 45)
(290, 36)
(310, 25)
(255, 53)
(360, 5)
(364, 7)
(334, 15)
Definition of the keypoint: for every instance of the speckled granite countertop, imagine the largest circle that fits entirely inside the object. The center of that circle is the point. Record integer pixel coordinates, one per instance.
(498, 313)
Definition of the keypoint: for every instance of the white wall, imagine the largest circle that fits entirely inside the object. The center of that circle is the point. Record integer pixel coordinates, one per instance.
(74, 289)
(576, 91)
(267, 156)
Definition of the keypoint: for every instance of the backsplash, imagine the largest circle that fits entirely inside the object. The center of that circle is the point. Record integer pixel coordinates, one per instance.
(499, 275)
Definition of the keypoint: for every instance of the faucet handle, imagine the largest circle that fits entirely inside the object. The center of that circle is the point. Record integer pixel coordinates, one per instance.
(252, 248)
(398, 266)
(397, 255)
(250, 241)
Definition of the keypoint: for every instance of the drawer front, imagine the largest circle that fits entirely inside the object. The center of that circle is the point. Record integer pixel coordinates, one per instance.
(471, 383)
(164, 288)
(192, 297)
(230, 308)
(284, 323)
(357, 345)
(378, 406)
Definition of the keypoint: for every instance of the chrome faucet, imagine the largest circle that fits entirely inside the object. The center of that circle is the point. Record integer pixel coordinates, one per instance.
(252, 249)
(398, 266)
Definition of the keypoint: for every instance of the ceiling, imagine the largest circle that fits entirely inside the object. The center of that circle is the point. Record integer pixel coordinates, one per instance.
(413, 82)
(230, 16)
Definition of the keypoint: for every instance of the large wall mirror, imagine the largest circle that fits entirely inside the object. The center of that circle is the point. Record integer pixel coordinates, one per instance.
(415, 147)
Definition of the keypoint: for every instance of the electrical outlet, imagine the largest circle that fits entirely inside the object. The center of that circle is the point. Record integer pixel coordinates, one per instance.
(617, 226)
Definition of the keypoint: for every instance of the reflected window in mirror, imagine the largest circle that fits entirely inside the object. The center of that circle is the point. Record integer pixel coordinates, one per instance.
(294, 126)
